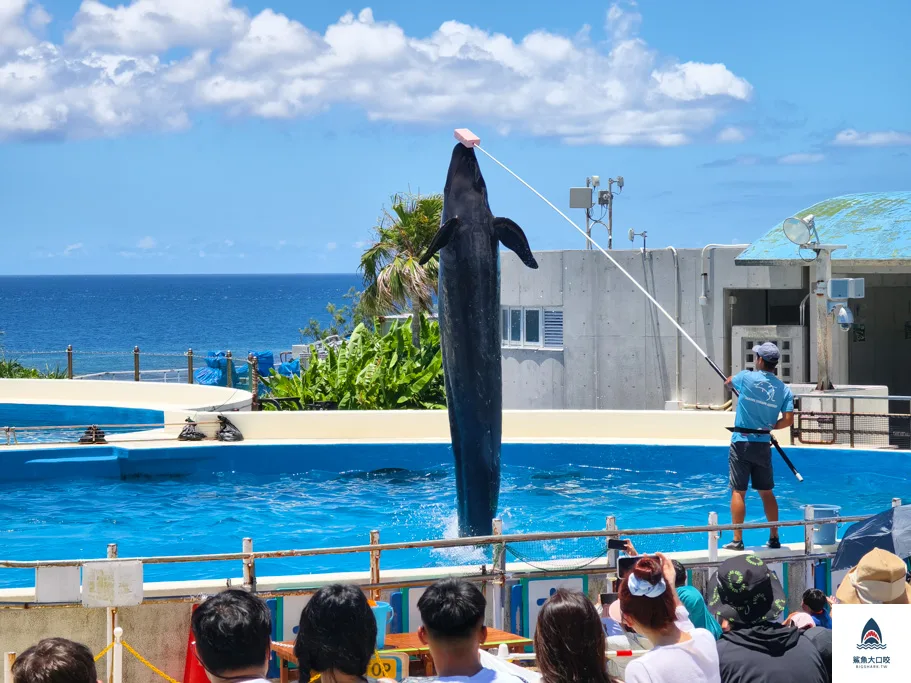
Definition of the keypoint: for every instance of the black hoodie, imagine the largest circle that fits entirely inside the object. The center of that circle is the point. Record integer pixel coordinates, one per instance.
(769, 653)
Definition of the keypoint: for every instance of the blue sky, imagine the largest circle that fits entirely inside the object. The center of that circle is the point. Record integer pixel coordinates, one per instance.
(164, 136)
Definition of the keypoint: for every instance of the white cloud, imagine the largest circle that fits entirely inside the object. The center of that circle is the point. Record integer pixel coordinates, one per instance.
(801, 158)
(331, 246)
(887, 138)
(72, 248)
(111, 74)
(229, 243)
(360, 244)
(202, 254)
(146, 243)
(731, 134)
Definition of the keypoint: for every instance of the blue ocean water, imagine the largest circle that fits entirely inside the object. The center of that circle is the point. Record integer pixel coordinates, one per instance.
(333, 495)
(160, 313)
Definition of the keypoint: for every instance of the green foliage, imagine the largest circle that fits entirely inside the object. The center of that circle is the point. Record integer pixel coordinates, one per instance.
(371, 371)
(394, 281)
(13, 369)
(344, 319)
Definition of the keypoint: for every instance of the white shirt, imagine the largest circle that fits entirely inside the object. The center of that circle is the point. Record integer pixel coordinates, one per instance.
(485, 675)
(693, 661)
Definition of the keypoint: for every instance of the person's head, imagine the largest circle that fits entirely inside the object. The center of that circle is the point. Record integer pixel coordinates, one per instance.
(766, 356)
(814, 601)
(879, 578)
(337, 632)
(233, 632)
(55, 660)
(679, 574)
(744, 592)
(452, 616)
(569, 640)
(800, 620)
(646, 601)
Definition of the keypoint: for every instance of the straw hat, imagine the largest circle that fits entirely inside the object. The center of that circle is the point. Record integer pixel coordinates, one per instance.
(879, 578)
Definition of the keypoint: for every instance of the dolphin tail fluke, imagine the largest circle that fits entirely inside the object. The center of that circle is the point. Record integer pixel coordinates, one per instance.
(441, 239)
(513, 238)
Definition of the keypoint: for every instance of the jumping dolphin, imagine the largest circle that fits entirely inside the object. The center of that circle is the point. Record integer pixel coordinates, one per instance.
(469, 312)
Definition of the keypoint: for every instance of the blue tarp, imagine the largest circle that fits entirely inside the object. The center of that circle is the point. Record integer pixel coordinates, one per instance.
(289, 369)
(215, 373)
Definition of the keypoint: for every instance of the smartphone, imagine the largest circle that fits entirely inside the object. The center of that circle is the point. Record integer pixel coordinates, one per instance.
(625, 564)
(608, 598)
(616, 544)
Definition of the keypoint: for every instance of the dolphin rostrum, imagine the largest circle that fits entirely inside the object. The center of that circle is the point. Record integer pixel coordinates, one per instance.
(469, 313)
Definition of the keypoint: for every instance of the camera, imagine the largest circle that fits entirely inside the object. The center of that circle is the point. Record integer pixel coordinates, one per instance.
(844, 318)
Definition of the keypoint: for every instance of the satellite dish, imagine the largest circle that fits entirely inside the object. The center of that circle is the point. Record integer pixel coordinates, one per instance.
(796, 230)
(632, 235)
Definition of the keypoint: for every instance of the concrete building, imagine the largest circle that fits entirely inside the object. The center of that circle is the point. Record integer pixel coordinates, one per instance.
(577, 334)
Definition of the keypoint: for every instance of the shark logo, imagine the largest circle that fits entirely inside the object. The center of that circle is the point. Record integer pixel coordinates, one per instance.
(872, 638)
(766, 388)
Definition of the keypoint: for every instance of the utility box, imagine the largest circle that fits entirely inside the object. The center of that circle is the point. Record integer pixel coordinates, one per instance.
(580, 198)
(842, 289)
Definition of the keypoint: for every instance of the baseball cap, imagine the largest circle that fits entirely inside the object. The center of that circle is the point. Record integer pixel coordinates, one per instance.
(767, 351)
(744, 591)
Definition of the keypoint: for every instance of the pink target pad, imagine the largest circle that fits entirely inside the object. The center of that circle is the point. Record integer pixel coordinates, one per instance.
(466, 137)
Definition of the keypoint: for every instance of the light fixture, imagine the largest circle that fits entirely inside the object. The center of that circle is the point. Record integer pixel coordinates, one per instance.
(801, 231)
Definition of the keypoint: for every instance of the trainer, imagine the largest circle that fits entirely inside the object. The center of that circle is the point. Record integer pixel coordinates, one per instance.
(763, 397)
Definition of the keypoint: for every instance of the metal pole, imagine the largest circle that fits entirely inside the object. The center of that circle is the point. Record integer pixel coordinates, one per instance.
(499, 584)
(135, 363)
(190, 366)
(254, 380)
(713, 538)
(852, 422)
(610, 215)
(118, 655)
(588, 228)
(228, 366)
(249, 567)
(375, 563)
(111, 622)
(823, 327)
(808, 515)
(69, 361)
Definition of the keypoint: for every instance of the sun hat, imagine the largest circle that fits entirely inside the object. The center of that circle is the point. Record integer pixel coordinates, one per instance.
(744, 591)
(802, 620)
(767, 351)
(879, 578)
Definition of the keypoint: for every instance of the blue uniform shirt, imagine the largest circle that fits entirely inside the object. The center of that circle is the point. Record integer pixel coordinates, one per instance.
(763, 397)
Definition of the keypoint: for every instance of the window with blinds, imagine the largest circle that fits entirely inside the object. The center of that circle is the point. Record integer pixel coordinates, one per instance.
(526, 326)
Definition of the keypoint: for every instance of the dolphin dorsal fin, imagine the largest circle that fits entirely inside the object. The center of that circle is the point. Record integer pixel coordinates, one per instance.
(513, 238)
(441, 239)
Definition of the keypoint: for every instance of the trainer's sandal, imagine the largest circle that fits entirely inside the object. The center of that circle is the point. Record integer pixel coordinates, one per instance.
(734, 545)
(773, 544)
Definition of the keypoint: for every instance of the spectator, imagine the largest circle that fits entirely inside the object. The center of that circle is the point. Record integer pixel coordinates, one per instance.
(694, 602)
(233, 632)
(649, 604)
(452, 626)
(627, 639)
(879, 578)
(815, 604)
(569, 641)
(337, 635)
(55, 660)
(748, 597)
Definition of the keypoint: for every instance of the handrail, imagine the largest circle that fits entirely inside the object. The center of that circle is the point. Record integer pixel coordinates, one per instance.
(438, 543)
(868, 397)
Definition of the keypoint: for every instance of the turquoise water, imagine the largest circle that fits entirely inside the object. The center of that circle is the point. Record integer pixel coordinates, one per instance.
(291, 496)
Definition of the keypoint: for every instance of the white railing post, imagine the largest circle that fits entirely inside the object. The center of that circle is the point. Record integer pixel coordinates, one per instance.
(610, 524)
(118, 655)
(111, 623)
(809, 516)
(713, 538)
(249, 566)
(375, 563)
(499, 583)
(896, 502)
(8, 667)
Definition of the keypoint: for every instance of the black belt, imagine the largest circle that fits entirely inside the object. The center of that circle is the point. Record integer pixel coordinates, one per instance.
(747, 430)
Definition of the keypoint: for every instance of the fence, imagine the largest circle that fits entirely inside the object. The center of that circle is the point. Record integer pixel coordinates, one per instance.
(875, 424)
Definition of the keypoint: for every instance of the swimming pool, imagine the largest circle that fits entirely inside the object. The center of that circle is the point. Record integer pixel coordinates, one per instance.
(206, 498)
(25, 415)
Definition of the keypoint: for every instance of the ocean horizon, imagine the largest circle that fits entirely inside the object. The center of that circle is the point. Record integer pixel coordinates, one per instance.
(104, 316)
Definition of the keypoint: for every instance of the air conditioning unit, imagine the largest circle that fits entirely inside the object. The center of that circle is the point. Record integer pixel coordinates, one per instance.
(790, 340)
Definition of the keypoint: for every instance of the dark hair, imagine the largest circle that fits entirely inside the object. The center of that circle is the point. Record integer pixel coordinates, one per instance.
(452, 609)
(655, 613)
(680, 574)
(337, 631)
(569, 640)
(815, 599)
(55, 660)
(233, 631)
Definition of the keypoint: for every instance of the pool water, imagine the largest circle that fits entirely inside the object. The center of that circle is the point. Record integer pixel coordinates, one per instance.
(545, 487)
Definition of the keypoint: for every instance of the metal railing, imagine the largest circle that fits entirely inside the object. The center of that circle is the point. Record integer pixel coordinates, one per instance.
(846, 422)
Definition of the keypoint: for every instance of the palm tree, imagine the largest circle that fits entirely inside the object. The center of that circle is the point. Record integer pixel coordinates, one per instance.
(394, 281)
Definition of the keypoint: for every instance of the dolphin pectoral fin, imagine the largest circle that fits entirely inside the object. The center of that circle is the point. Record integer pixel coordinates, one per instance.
(441, 239)
(513, 238)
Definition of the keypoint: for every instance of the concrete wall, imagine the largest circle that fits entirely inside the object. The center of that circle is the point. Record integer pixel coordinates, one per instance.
(618, 350)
